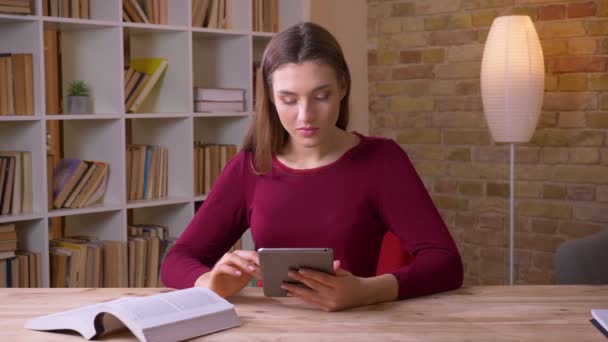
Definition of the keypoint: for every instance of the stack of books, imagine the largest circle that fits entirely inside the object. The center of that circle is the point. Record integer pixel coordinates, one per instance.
(219, 99)
(216, 14)
(17, 6)
(17, 268)
(145, 11)
(79, 183)
(16, 192)
(85, 261)
(209, 161)
(148, 245)
(77, 262)
(265, 15)
(146, 172)
(16, 84)
(140, 78)
(77, 9)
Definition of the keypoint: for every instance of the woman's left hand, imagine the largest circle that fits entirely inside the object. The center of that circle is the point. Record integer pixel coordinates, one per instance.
(328, 292)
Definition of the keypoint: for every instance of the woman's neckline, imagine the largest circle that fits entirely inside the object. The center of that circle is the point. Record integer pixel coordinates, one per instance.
(348, 152)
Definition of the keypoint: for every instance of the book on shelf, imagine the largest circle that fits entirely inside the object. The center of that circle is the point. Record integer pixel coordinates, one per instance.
(77, 261)
(215, 14)
(180, 314)
(265, 15)
(209, 161)
(16, 84)
(79, 183)
(154, 68)
(150, 244)
(219, 106)
(219, 94)
(145, 11)
(16, 193)
(17, 6)
(82, 262)
(17, 268)
(76, 9)
(146, 172)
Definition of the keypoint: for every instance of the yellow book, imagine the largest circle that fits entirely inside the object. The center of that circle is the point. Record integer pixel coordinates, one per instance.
(154, 67)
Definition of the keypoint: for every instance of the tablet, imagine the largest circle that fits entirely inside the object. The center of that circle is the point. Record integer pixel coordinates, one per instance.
(275, 262)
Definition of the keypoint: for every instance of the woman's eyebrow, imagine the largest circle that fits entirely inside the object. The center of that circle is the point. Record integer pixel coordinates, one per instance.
(287, 92)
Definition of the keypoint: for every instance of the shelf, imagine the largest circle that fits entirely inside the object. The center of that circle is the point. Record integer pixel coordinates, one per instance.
(156, 115)
(219, 62)
(267, 35)
(82, 117)
(209, 32)
(221, 130)
(94, 50)
(222, 114)
(174, 216)
(172, 93)
(142, 28)
(200, 198)
(18, 218)
(25, 37)
(158, 203)
(20, 117)
(98, 208)
(11, 18)
(71, 24)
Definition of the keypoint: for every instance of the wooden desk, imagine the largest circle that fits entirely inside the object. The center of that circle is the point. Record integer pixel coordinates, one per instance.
(519, 313)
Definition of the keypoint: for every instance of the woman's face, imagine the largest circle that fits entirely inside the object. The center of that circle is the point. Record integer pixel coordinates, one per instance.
(307, 97)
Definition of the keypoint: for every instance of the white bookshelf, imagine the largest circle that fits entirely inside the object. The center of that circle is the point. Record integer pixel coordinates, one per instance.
(92, 50)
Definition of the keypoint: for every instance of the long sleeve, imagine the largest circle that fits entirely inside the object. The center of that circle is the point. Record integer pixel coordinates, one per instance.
(217, 225)
(408, 211)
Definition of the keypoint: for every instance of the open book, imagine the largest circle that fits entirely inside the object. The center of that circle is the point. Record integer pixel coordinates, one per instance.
(600, 320)
(170, 316)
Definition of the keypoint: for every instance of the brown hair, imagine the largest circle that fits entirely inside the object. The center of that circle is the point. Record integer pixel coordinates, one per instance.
(297, 44)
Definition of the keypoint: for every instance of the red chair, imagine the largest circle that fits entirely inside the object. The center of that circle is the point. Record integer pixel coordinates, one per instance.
(392, 255)
(391, 258)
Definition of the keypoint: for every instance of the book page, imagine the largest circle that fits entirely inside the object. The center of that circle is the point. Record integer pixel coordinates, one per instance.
(80, 320)
(169, 307)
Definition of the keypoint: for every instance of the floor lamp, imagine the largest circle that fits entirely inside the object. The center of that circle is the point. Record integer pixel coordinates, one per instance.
(512, 87)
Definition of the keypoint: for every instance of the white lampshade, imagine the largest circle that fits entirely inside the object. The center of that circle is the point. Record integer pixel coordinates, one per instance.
(512, 79)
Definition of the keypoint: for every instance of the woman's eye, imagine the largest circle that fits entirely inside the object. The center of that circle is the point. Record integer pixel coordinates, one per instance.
(288, 100)
(322, 96)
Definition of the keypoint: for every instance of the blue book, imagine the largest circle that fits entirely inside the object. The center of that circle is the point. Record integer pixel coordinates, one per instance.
(147, 170)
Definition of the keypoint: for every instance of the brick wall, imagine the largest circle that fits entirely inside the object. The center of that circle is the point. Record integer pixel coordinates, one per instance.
(424, 61)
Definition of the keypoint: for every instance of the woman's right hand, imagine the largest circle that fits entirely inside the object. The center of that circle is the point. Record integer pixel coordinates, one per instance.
(231, 273)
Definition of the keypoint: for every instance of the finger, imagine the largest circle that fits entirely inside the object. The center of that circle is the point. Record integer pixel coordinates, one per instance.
(244, 265)
(253, 259)
(308, 281)
(306, 295)
(318, 305)
(320, 277)
(227, 269)
(337, 265)
(249, 255)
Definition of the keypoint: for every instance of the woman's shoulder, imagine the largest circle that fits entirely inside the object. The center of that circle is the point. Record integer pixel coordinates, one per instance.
(239, 164)
(381, 146)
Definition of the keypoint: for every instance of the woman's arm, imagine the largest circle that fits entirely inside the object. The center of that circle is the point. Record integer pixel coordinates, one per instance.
(406, 208)
(217, 225)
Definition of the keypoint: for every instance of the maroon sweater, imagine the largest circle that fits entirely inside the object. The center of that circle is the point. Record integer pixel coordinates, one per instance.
(347, 205)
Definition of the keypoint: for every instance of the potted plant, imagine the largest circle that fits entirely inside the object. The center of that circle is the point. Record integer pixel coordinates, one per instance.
(78, 98)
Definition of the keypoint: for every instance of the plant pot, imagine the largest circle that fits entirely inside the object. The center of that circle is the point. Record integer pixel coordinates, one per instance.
(78, 105)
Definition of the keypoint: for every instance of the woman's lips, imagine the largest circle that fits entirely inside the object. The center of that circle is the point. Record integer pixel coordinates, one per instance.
(307, 131)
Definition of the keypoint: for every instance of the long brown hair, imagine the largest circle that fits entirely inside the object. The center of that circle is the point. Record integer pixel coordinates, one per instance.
(297, 44)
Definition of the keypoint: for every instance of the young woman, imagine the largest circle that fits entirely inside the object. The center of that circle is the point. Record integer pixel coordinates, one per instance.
(302, 180)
